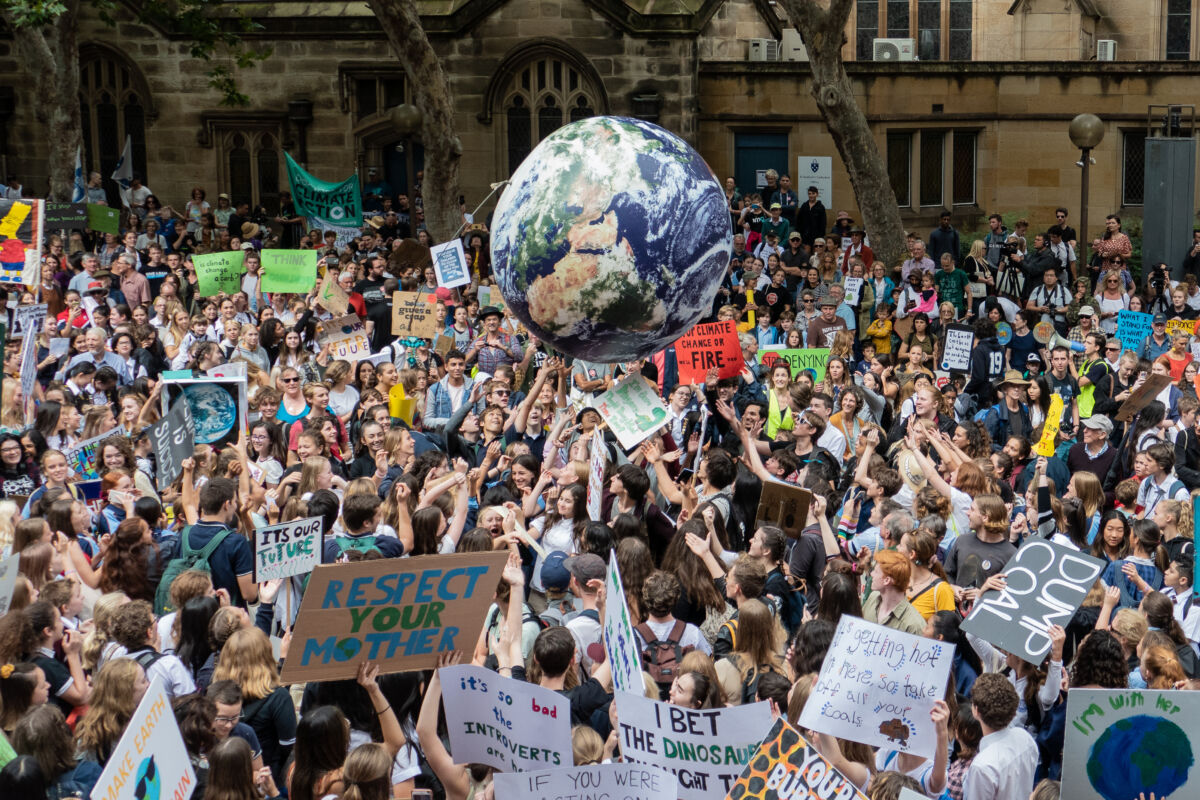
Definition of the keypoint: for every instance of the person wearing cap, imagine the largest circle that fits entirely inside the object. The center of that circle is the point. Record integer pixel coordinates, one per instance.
(1085, 323)
(822, 329)
(842, 226)
(1157, 343)
(1092, 453)
(811, 218)
(794, 260)
(858, 248)
(776, 224)
(493, 347)
(587, 574)
(1010, 416)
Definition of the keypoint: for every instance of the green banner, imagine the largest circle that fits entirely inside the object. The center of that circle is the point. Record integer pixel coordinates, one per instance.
(289, 271)
(219, 272)
(329, 203)
(103, 219)
(812, 360)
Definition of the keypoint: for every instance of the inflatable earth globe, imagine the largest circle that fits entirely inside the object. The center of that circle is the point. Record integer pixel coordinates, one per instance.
(611, 240)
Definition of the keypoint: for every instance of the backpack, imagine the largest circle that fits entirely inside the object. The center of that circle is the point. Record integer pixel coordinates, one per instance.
(146, 659)
(360, 544)
(750, 689)
(188, 559)
(661, 657)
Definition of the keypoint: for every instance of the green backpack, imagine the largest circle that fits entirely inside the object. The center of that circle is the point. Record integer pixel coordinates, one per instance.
(361, 544)
(187, 560)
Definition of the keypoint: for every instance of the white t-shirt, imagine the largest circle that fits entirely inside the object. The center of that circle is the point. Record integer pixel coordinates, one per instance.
(343, 402)
(692, 637)
(560, 536)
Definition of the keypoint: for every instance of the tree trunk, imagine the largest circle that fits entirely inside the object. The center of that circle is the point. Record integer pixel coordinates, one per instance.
(823, 31)
(51, 56)
(430, 92)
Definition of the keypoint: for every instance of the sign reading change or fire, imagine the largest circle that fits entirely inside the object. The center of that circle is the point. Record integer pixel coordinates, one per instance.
(709, 345)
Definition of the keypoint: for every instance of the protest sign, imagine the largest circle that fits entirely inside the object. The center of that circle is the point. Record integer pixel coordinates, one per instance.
(84, 457)
(507, 724)
(414, 314)
(956, 356)
(450, 264)
(64, 216)
(1004, 333)
(90, 491)
(1132, 328)
(150, 759)
(347, 338)
(29, 365)
(287, 549)
(810, 359)
(1046, 584)
(785, 506)
(8, 581)
(402, 614)
(219, 272)
(786, 765)
(877, 686)
(1043, 332)
(633, 411)
(1046, 445)
(332, 296)
(1184, 326)
(620, 645)
(21, 233)
(337, 204)
(443, 344)
(608, 781)
(853, 287)
(1141, 397)
(235, 369)
(705, 749)
(709, 345)
(218, 406)
(173, 441)
(343, 236)
(28, 319)
(595, 488)
(289, 271)
(103, 219)
(1131, 743)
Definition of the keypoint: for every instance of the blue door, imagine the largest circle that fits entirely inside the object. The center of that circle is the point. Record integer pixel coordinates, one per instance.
(758, 151)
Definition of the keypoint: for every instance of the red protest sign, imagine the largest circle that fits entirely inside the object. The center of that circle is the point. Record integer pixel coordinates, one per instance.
(709, 345)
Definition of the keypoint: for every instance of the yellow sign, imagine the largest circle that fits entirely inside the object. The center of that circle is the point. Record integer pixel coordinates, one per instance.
(1045, 445)
(1184, 326)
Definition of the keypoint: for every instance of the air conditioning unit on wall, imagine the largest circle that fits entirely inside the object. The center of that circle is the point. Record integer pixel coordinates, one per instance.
(793, 46)
(1106, 50)
(894, 50)
(764, 50)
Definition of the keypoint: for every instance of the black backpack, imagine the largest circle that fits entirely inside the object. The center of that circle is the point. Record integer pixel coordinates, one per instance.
(661, 657)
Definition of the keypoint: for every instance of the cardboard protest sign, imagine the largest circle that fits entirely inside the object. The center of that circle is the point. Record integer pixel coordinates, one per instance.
(785, 506)
(414, 314)
(289, 271)
(332, 296)
(1184, 326)
(507, 724)
(410, 254)
(1132, 328)
(786, 765)
(150, 759)
(443, 344)
(595, 487)
(84, 457)
(337, 204)
(1046, 585)
(620, 645)
(705, 749)
(287, 549)
(810, 359)
(450, 264)
(103, 219)
(611, 781)
(878, 685)
(219, 272)
(956, 356)
(173, 440)
(401, 613)
(1046, 445)
(902, 327)
(1142, 396)
(633, 411)
(707, 346)
(347, 338)
(8, 581)
(21, 233)
(1128, 743)
(218, 406)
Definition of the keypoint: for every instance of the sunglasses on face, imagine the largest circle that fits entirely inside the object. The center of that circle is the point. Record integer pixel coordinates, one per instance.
(290, 380)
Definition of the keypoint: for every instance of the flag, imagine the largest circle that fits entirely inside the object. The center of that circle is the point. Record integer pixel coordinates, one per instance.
(123, 174)
(80, 191)
(333, 204)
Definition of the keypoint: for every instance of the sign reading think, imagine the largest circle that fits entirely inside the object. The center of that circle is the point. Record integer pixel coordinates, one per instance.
(785, 506)
(8, 581)
(786, 765)
(811, 360)
(287, 549)
(347, 338)
(1046, 585)
(633, 410)
(338, 204)
(507, 724)
(219, 272)
(450, 264)
(150, 759)
(706, 749)
(402, 614)
(957, 354)
(707, 346)
(878, 685)
(289, 271)
(1129, 743)
(594, 780)
(620, 645)
(1133, 327)
(173, 441)
(333, 296)
(414, 314)
(103, 219)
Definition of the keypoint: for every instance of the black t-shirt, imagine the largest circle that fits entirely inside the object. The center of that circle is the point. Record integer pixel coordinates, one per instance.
(155, 274)
(585, 699)
(59, 678)
(807, 562)
(776, 299)
(1067, 388)
(379, 311)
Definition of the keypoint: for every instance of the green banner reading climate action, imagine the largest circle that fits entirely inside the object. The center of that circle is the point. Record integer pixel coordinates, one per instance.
(330, 203)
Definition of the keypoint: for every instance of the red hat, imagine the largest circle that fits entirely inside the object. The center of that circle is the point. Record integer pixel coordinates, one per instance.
(96, 286)
(443, 293)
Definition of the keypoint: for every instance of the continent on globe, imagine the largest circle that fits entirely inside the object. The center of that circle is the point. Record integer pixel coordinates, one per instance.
(1140, 754)
(611, 240)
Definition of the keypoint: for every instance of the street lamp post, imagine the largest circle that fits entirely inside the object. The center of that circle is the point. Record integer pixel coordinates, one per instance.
(1086, 132)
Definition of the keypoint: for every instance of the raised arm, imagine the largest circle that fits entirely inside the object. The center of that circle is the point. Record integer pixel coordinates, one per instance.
(393, 734)
(454, 777)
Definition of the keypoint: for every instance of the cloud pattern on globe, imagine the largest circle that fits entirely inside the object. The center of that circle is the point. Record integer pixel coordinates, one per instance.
(611, 240)
(213, 411)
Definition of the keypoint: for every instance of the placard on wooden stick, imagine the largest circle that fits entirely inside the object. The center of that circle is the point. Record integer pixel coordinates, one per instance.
(784, 506)
(1142, 397)
(414, 314)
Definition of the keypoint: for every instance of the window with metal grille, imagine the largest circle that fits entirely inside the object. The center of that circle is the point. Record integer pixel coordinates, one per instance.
(963, 189)
(929, 29)
(933, 148)
(541, 96)
(866, 29)
(1133, 169)
(899, 162)
(1179, 30)
(960, 30)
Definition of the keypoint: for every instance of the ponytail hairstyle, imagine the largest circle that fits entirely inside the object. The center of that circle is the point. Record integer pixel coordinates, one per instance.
(1160, 614)
(1148, 537)
(18, 682)
(1161, 667)
(1090, 493)
(1181, 512)
(367, 773)
(922, 547)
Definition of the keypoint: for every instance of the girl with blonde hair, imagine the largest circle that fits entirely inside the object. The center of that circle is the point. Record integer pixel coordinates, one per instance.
(759, 648)
(117, 689)
(247, 659)
(1174, 519)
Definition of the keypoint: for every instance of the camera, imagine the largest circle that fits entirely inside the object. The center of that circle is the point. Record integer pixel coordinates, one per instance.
(1158, 277)
(1008, 249)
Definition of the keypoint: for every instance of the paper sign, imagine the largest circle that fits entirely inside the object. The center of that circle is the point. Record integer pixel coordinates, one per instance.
(610, 781)
(29, 362)
(1129, 743)
(1133, 327)
(21, 235)
(347, 338)
(507, 724)
(706, 749)
(173, 440)
(1139, 399)
(1046, 585)
(150, 759)
(287, 549)
(60, 347)
(878, 685)
(620, 645)
(1184, 326)
(289, 271)
(414, 314)
(956, 356)
(233, 369)
(450, 264)
(1045, 446)
(633, 411)
(595, 488)
(443, 344)
(853, 287)
(706, 346)
(103, 219)
(332, 296)
(786, 765)
(785, 506)
(84, 457)
(811, 360)
(8, 581)
(219, 272)
(400, 613)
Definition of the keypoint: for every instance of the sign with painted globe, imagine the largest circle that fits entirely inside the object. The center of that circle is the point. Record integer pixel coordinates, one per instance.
(611, 240)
